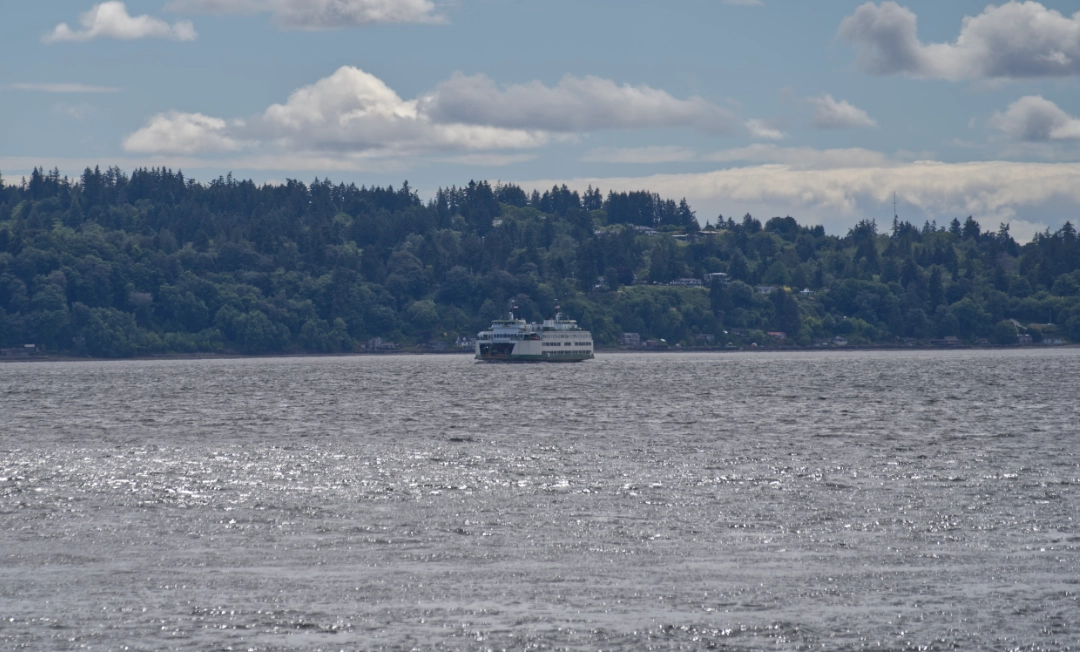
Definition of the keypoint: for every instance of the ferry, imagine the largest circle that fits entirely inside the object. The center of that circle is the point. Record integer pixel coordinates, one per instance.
(514, 340)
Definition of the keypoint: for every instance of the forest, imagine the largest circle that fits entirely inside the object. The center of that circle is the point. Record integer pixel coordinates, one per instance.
(111, 265)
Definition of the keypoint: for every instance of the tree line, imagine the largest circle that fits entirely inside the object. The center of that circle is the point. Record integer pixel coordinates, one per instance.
(112, 265)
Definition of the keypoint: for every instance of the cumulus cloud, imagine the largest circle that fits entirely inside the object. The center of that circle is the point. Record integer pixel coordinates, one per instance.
(354, 111)
(64, 88)
(1016, 40)
(182, 133)
(1035, 119)
(576, 104)
(321, 14)
(801, 158)
(1032, 196)
(764, 129)
(833, 114)
(349, 111)
(111, 20)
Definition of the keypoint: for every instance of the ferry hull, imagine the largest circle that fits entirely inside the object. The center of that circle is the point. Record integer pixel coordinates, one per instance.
(504, 352)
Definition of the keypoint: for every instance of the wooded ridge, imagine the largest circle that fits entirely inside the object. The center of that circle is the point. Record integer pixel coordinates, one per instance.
(109, 265)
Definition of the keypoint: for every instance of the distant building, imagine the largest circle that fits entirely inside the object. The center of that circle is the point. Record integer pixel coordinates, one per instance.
(704, 338)
(689, 282)
(630, 340)
(377, 344)
(1024, 339)
(807, 292)
(839, 341)
(716, 276)
(465, 342)
(24, 351)
(777, 335)
(765, 289)
(1052, 340)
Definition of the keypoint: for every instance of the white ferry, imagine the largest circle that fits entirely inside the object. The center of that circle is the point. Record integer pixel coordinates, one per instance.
(514, 340)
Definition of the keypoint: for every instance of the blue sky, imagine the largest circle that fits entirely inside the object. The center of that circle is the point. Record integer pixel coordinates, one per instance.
(818, 110)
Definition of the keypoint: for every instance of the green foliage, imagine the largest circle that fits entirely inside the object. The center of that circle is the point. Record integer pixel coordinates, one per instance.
(113, 266)
(1005, 333)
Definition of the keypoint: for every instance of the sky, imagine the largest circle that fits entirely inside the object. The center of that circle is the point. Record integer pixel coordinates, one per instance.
(819, 110)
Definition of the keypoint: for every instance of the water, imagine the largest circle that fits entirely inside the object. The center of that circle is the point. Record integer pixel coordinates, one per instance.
(787, 501)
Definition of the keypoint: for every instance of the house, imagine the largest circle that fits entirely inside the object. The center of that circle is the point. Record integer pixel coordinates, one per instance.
(1024, 339)
(377, 344)
(765, 289)
(716, 276)
(689, 282)
(463, 342)
(806, 292)
(1052, 340)
(839, 341)
(777, 335)
(24, 351)
(630, 340)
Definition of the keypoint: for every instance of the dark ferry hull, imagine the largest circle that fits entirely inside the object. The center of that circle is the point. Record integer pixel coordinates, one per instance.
(504, 352)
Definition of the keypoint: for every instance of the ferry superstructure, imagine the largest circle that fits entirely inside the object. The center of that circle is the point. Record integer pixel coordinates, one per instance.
(515, 340)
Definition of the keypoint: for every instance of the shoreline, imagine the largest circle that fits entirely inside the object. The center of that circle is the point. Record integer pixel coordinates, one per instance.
(350, 354)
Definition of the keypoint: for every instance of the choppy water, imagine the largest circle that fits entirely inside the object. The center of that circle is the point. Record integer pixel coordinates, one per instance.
(840, 500)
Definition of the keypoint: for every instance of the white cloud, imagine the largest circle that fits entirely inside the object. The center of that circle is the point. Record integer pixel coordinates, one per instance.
(354, 111)
(655, 154)
(321, 14)
(801, 158)
(1032, 196)
(576, 104)
(832, 114)
(1015, 40)
(65, 88)
(181, 133)
(350, 111)
(764, 129)
(111, 20)
(1035, 119)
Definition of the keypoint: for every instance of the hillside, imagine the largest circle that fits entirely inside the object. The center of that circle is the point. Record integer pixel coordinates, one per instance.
(114, 266)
